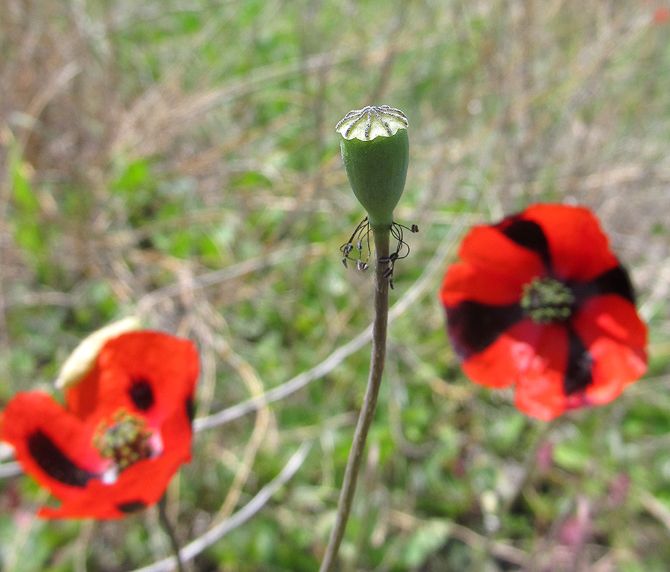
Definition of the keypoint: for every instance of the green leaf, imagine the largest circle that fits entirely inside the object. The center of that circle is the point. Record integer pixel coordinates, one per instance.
(571, 455)
(425, 540)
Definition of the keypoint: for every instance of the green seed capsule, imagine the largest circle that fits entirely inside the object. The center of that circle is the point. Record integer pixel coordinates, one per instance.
(375, 151)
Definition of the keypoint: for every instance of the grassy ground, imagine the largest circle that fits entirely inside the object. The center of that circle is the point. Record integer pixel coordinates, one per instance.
(177, 159)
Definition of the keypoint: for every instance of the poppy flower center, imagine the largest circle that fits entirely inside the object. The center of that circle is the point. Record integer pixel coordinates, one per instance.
(125, 441)
(547, 300)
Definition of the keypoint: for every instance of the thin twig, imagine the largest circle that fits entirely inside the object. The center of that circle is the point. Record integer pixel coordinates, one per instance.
(253, 382)
(214, 534)
(655, 508)
(418, 289)
(410, 523)
(529, 463)
(170, 532)
(378, 355)
(216, 277)
(11, 469)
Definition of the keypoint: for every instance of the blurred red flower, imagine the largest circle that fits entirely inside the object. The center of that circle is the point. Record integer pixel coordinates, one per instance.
(124, 431)
(539, 301)
(662, 15)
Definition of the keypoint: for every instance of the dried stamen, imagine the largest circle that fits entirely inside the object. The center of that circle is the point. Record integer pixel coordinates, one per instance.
(125, 441)
(357, 249)
(359, 242)
(547, 300)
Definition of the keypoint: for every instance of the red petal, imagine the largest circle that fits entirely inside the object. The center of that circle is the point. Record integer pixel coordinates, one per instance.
(579, 248)
(82, 399)
(467, 282)
(616, 339)
(532, 356)
(164, 366)
(493, 271)
(540, 389)
(500, 364)
(64, 443)
(661, 15)
(141, 485)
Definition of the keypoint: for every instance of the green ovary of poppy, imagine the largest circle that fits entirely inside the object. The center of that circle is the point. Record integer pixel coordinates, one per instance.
(375, 151)
(547, 300)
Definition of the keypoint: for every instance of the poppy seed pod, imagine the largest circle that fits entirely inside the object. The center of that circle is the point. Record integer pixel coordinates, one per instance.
(375, 151)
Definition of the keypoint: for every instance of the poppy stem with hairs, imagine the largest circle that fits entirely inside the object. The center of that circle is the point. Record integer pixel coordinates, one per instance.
(375, 153)
(379, 328)
(170, 532)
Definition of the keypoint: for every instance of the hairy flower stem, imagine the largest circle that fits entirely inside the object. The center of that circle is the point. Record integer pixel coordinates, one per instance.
(169, 531)
(379, 328)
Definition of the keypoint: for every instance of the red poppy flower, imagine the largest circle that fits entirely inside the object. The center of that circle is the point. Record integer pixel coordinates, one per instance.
(539, 301)
(124, 431)
(661, 15)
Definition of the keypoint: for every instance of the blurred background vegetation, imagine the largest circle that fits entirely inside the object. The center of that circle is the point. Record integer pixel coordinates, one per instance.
(177, 159)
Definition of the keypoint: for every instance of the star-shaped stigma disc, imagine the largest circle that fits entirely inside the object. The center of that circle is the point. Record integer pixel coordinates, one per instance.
(372, 121)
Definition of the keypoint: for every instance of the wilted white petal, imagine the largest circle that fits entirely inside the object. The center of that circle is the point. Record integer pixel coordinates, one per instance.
(81, 360)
